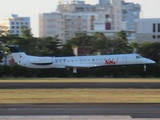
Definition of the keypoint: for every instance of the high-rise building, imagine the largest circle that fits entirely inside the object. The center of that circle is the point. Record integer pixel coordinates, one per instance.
(65, 24)
(74, 16)
(116, 15)
(13, 24)
(130, 12)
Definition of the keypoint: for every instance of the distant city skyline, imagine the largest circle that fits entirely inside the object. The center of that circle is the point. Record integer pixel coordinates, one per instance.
(32, 9)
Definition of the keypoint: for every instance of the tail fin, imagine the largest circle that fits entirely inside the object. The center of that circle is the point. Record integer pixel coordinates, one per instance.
(17, 53)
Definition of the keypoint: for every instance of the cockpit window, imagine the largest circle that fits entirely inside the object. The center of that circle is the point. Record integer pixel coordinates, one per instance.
(138, 57)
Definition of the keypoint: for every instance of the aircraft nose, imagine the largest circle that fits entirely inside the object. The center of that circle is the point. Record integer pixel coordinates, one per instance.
(150, 61)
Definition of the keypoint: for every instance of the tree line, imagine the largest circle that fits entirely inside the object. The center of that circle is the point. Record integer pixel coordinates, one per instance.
(98, 43)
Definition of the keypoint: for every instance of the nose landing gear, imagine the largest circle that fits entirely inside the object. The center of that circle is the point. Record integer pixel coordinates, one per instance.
(145, 68)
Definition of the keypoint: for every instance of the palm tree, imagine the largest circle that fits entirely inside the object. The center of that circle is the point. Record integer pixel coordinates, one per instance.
(134, 45)
(122, 36)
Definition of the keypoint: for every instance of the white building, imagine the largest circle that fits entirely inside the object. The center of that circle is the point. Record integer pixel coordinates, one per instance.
(77, 17)
(65, 24)
(51, 24)
(99, 27)
(147, 29)
(107, 9)
(13, 24)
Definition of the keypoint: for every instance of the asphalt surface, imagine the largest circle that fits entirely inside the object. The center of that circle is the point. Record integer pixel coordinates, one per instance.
(117, 85)
(133, 110)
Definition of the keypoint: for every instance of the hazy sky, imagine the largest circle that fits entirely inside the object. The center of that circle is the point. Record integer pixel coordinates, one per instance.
(32, 9)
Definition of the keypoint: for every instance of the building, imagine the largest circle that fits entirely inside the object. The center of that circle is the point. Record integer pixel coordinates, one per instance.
(65, 24)
(130, 12)
(13, 24)
(99, 27)
(109, 17)
(147, 29)
(51, 24)
(107, 9)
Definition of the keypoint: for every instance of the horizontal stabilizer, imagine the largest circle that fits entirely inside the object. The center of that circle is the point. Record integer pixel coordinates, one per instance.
(15, 48)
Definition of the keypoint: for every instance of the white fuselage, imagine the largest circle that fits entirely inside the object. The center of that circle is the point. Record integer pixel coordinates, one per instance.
(79, 61)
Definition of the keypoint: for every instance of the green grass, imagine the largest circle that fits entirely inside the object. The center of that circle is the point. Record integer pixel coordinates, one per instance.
(79, 80)
(80, 96)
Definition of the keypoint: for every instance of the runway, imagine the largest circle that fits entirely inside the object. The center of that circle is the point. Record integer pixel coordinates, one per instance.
(117, 85)
(133, 110)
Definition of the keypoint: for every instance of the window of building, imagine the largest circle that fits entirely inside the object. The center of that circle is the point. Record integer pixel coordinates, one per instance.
(154, 27)
(17, 27)
(21, 23)
(154, 36)
(12, 27)
(12, 23)
(17, 31)
(158, 27)
(26, 23)
(17, 23)
(158, 36)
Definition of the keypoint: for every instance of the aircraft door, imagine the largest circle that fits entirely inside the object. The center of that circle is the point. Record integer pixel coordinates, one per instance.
(124, 60)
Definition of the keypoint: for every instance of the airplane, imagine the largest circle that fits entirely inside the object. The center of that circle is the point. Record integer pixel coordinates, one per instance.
(75, 62)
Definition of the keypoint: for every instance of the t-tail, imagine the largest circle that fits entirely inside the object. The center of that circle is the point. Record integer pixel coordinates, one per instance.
(17, 53)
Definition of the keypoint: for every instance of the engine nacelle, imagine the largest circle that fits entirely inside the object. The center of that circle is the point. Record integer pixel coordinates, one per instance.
(42, 60)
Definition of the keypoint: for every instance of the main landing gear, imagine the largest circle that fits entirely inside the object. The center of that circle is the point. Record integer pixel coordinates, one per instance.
(74, 72)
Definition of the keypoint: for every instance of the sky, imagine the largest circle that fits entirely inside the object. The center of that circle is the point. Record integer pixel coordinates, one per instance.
(32, 9)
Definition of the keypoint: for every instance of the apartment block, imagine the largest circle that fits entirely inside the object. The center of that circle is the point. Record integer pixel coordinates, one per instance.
(13, 24)
(116, 14)
(107, 10)
(51, 24)
(65, 24)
